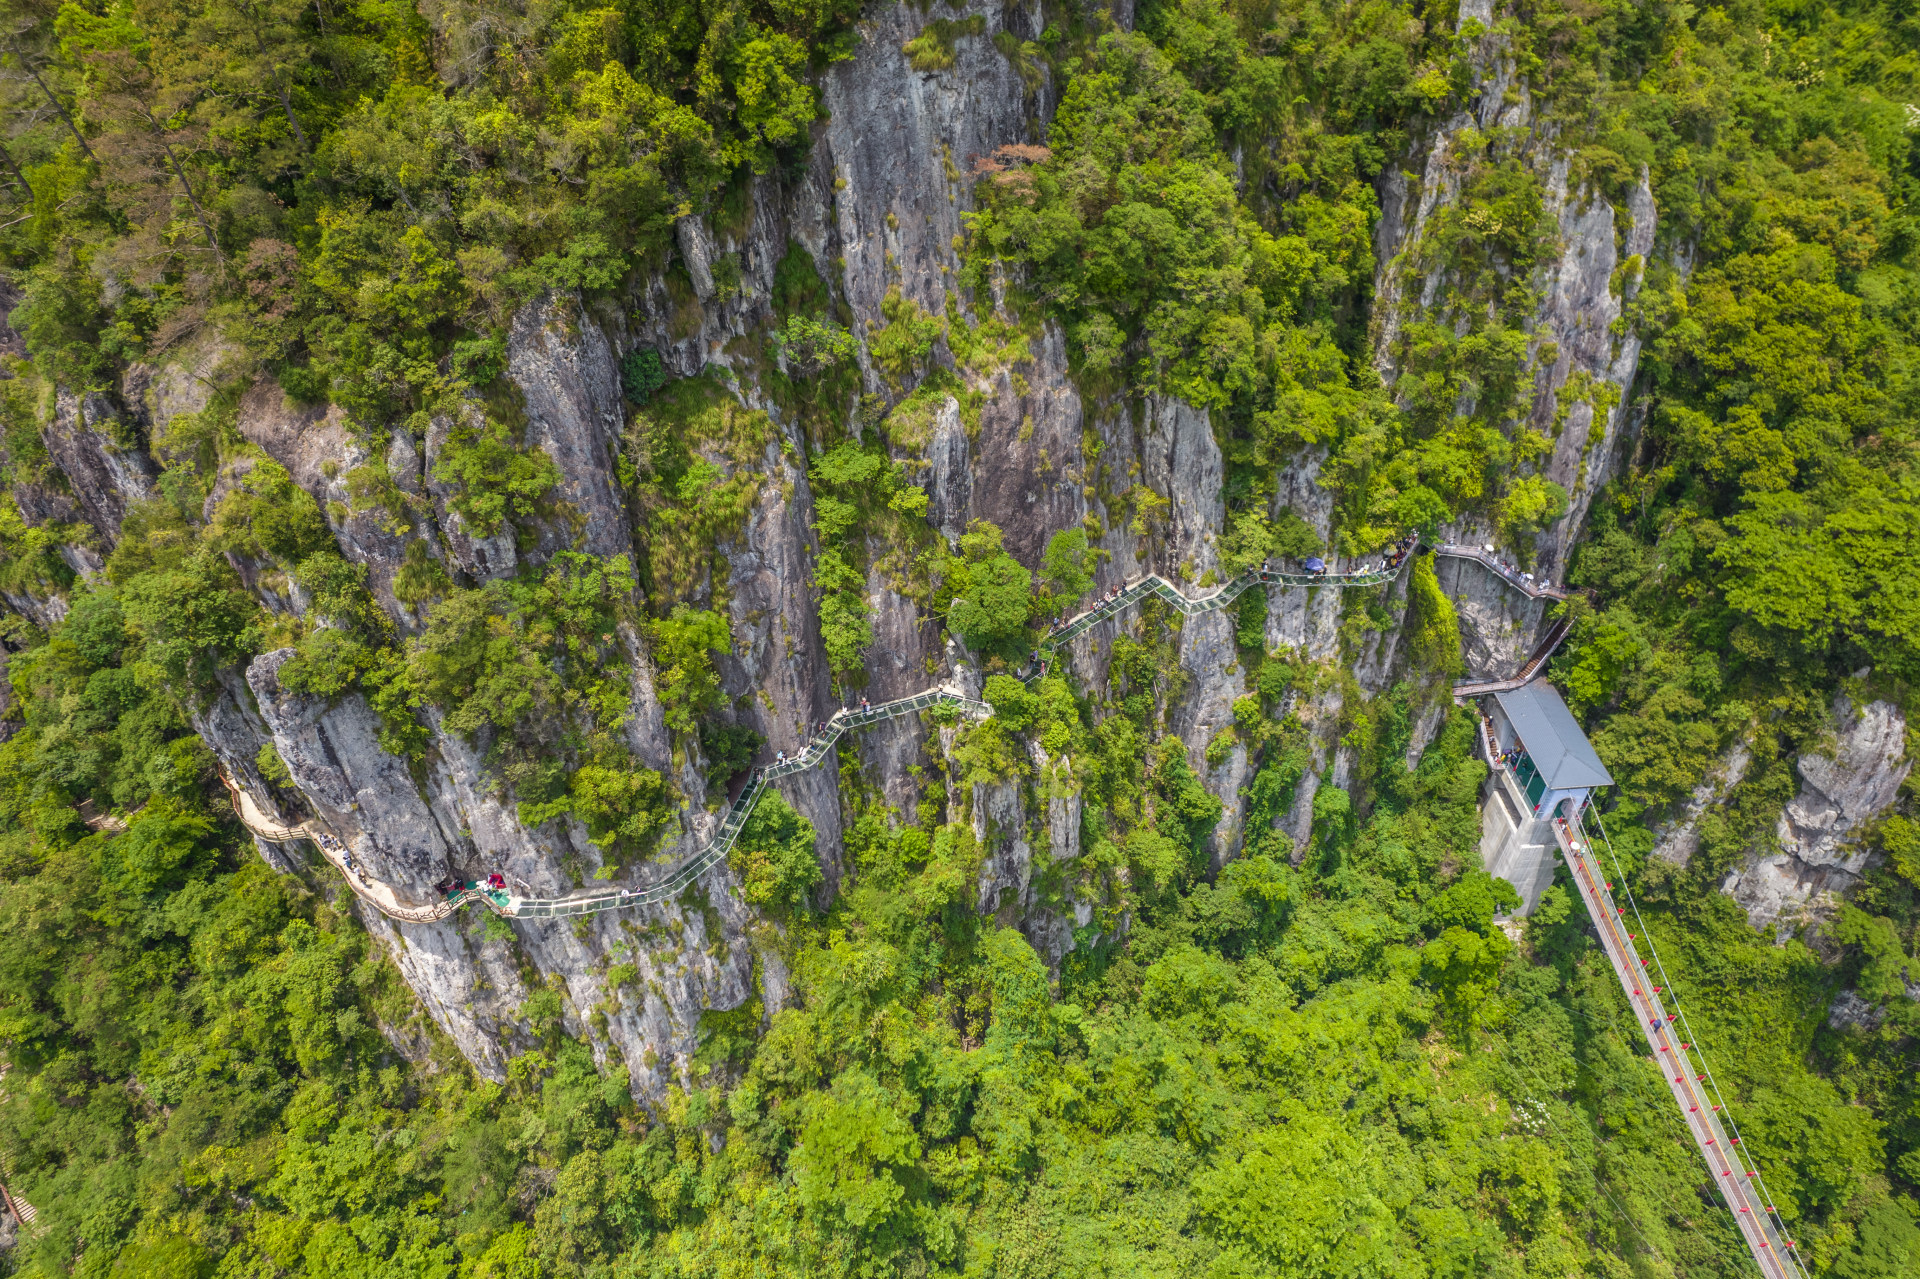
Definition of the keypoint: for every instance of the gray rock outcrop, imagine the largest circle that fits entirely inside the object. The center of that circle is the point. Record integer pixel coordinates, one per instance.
(1841, 789)
(321, 455)
(1582, 391)
(1850, 1011)
(106, 470)
(564, 368)
(1677, 840)
(478, 554)
(358, 790)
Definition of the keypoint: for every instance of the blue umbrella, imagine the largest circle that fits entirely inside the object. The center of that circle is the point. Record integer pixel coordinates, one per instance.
(1315, 564)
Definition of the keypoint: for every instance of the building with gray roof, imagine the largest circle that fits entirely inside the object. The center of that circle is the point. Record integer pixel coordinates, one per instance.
(1543, 766)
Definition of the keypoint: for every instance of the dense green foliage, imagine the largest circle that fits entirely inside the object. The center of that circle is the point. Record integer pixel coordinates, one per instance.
(1759, 559)
(776, 860)
(1333, 1065)
(1274, 1073)
(861, 500)
(304, 154)
(992, 593)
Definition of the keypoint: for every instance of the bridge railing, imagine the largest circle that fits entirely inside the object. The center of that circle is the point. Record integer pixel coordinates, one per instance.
(1703, 1110)
(728, 832)
(1191, 606)
(1513, 577)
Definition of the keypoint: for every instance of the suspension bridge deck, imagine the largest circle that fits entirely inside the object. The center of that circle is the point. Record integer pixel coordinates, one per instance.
(1682, 1065)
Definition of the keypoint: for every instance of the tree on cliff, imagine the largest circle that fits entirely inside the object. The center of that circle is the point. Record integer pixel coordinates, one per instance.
(993, 593)
(776, 859)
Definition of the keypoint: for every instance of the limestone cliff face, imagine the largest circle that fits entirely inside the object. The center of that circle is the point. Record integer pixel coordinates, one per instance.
(322, 455)
(1841, 789)
(563, 366)
(1583, 371)
(333, 752)
(1498, 625)
(1678, 839)
(409, 832)
(104, 463)
(877, 206)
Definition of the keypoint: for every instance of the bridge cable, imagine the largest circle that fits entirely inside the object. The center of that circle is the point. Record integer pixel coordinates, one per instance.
(1790, 1253)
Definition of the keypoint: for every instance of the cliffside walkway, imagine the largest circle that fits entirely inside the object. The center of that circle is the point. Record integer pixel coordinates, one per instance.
(1682, 1064)
(1537, 660)
(1532, 588)
(736, 819)
(1694, 1090)
(1153, 586)
(371, 891)
(1525, 583)
(382, 897)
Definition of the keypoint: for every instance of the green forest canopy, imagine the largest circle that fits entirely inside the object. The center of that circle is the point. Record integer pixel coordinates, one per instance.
(1339, 1069)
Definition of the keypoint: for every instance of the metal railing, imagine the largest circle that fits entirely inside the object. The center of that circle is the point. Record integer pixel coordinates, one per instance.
(1682, 1064)
(809, 756)
(1191, 606)
(1534, 664)
(736, 819)
(1534, 589)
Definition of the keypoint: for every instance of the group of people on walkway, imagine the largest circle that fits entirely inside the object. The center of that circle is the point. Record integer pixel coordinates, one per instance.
(819, 733)
(332, 845)
(1510, 758)
(1507, 569)
(1395, 556)
(1399, 552)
